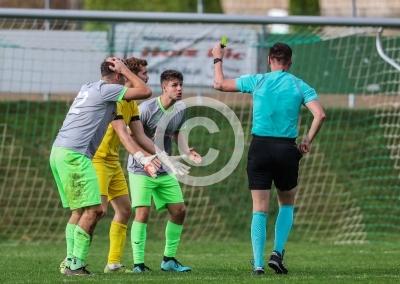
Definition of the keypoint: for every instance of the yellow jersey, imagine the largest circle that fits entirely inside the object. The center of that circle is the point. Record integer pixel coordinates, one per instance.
(109, 147)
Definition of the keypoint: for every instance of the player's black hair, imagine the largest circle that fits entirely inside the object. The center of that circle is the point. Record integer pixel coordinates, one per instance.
(168, 75)
(280, 52)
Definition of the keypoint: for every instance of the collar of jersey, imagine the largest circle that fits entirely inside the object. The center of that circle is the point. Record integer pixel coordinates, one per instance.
(162, 108)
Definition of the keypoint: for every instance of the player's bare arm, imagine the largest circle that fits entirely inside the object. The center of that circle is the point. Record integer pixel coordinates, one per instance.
(131, 145)
(319, 116)
(139, 90)
(138, 134)
(220, 83)
(192, 155)
(148, 145)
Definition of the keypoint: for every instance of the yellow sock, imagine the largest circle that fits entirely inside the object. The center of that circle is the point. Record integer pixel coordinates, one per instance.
(117, 242)
(123, 240)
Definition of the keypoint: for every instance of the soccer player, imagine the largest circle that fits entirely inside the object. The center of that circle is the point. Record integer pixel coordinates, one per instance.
(165, 190)
(74, 147)
(273, 154)
(113, 185)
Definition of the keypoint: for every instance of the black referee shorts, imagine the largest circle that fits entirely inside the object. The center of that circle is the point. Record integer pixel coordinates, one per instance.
(273, 160)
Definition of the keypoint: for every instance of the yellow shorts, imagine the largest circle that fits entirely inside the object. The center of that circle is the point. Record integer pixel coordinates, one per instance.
(111, 178)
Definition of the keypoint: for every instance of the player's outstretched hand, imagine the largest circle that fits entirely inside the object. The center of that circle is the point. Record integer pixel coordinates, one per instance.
(173, 163)
(194, 156)
(118, 64)
(148, 163)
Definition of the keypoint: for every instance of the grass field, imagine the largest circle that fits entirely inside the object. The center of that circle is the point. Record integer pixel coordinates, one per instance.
(212, 262)
(223, 209)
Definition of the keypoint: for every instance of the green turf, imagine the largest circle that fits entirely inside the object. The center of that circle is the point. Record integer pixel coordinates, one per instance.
(212, 262)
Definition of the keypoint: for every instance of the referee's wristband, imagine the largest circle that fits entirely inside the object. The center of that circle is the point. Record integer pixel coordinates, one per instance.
(217, 60)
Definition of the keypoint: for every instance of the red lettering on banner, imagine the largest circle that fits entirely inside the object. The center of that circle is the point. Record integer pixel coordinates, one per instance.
(168, 53)
(229, 54)
(191, 53)
(238, 55)
(145, 51)
(155, 51)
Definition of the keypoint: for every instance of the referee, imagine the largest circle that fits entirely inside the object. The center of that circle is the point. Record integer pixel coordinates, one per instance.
(273, 154)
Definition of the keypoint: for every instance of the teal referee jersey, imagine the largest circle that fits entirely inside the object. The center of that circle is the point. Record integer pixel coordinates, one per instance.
(277, 98)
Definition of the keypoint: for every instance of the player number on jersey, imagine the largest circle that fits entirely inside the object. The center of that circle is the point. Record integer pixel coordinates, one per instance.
(82, 96)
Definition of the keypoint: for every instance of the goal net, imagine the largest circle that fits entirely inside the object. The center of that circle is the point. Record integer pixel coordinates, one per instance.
(348, 188)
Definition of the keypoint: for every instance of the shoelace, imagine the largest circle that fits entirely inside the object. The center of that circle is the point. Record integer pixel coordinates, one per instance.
(177, 263)
(146, 268)
(283, 264)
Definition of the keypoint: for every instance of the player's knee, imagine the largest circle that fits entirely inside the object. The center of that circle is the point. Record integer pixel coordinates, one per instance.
(75, 216)
(180, 212)
(127, 212)
(124, 212)
(98, 212)
(141, 215)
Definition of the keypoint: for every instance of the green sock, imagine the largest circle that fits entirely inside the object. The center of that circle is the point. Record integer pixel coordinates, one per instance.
(69, 236)
(173, 236)
(138, 240)
(81, 247)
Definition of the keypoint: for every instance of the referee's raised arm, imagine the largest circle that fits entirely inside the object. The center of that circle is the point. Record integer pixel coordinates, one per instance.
(220, 83)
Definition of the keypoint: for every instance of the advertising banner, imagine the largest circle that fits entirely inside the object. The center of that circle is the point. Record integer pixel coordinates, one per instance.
(187, 48)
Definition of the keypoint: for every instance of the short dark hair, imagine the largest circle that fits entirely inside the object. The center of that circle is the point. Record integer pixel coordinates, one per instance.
(105, 71)
(281, 52)
(134, 64)
(168, 75)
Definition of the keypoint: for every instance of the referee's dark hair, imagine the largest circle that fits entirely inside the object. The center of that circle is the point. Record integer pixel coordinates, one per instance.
(281, 52)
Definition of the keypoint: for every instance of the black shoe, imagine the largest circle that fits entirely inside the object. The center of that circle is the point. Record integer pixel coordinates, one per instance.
(276, 263)
(138, 268)
(258, 271)
(79, 271)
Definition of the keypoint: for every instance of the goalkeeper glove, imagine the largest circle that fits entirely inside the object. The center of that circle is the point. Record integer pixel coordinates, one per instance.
(145, 162)
(173, 163)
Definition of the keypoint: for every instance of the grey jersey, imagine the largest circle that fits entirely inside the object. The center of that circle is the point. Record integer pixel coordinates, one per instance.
(159, 125)
(88, 117)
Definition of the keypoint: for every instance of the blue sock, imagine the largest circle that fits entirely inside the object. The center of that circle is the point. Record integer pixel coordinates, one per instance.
(258, 237)
(283, 225)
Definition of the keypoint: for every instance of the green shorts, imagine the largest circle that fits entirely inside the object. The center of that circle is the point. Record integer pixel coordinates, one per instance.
(165, 190)
(75, 177)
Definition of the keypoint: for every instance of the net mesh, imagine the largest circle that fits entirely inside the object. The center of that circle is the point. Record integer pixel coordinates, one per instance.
(348, 185)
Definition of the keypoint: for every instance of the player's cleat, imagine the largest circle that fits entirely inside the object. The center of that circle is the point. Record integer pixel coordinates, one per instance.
(258, 271)
(63, 265)
(173, 265)
(276, 263)
(78, 272)
(138, 268)
(121, 269)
